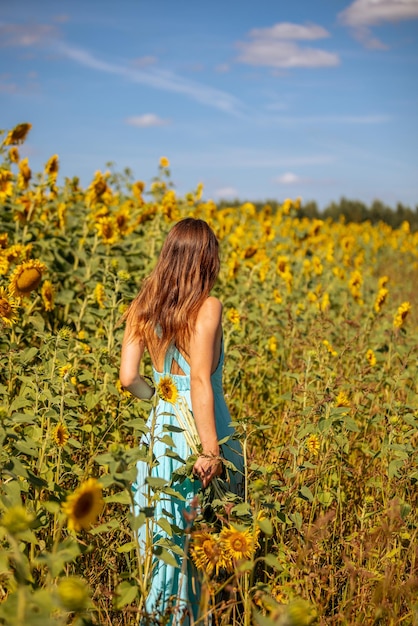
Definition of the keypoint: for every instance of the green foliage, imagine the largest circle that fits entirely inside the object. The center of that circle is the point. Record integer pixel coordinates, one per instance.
(321, 385)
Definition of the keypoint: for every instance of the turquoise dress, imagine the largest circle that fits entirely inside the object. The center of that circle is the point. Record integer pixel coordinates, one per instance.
(170, 585)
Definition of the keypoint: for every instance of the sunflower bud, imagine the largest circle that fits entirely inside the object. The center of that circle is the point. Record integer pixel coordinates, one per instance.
(73, 593)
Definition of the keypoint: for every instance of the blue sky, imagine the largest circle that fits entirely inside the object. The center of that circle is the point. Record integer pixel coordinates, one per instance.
(256, 100)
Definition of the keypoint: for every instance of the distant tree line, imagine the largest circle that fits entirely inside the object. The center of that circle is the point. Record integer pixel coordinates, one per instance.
(352, 210)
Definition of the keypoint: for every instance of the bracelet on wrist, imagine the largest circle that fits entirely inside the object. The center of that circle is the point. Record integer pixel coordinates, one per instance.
(213, 457)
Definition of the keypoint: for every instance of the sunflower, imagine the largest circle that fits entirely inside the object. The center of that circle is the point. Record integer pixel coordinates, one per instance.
(18, 252)
(73, 593)
(342, 399)
(16, 520)
(26, 277)
(380, 299)
(164, 162)
(401, 314)
(17, 135)
(238, 544)
(234, 317)
(329, 347)
(137, 189)
(60, 435)
(14, 155)
(8, 308)
(313, 444)
(371, 357)
(167, 389)
(4, 265)
(272, 344)
(6, 184)
(107, 229)
(64, 370)
(383, 281)
(25, 174)
(84, 506)
(99, 295)
(52, 166)
(207, 553)
(4, 238)
(98, 190)
(122, 218)
(47, 293)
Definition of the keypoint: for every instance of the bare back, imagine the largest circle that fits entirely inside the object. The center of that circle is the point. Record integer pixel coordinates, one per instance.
(210, 310)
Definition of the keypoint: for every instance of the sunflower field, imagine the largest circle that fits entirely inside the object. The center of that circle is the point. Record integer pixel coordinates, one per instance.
(321, 378)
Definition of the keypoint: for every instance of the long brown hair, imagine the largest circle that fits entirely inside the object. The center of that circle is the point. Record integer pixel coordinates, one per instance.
(167, 305)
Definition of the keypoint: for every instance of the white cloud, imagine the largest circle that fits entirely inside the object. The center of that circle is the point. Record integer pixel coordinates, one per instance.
(369, 12)
(362, 14)
(146, 121)
(226, 192)
(276, 47)
(157, 78)
(288, 178)
(287, 30)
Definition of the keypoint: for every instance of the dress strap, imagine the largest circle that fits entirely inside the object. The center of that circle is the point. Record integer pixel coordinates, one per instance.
(173, 354)
(183, 364)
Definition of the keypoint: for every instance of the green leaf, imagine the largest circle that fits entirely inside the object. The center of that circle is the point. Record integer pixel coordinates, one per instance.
(126, 593)
(27, 355)
(126, 547)
(156, 482)
(351, 425)
(266, 527)
(272, 561)
(166, 556)
(91, 399)
(306, 493)
(296, 518)
(165, 526)
(122, 497)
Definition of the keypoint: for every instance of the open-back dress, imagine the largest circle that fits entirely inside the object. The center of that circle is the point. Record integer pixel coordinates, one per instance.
(170, 583)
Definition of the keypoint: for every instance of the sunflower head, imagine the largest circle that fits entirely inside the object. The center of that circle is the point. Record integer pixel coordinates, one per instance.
(17, 135)
(107, 229)
(26, 277)
(6, 184)
(371, 357)
(313, 444)
(401, 314)
(52, 166)
(167, 389)
(73, 593)
(16, 520)
(60, 435)
(99, 295)
(47, 293)
(8, 308)
(84, 506)
(207, 553)
(342, 399)
(238, 543)
(14, 155)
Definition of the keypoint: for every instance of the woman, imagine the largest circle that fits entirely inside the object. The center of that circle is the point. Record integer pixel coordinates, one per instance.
(176, 319)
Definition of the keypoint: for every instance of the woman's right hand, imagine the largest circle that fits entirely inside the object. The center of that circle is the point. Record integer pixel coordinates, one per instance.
(207, 467)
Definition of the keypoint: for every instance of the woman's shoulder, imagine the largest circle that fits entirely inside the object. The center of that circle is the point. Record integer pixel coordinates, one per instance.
(211, 310)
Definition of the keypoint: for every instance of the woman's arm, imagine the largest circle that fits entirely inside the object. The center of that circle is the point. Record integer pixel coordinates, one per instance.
(202, 351)
(132, 351)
